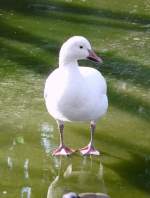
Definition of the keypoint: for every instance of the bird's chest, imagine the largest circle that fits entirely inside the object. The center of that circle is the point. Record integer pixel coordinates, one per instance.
(75, 94)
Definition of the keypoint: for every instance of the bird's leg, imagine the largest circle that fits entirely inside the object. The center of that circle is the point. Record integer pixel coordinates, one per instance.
(62, 149)
(90, 149)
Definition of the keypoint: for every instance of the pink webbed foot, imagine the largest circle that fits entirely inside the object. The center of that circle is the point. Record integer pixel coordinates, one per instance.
(89, 150)
(62, 150)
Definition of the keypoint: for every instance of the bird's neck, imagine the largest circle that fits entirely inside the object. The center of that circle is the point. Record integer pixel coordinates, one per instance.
(68, 62)
(71, 63)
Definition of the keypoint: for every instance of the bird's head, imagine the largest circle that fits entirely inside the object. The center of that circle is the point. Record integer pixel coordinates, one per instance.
(77, 48)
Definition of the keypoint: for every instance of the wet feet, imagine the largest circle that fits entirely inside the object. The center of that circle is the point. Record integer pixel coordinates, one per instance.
(89, 150)
(63, 150)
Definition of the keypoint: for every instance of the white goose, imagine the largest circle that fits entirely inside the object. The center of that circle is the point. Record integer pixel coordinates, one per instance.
(74, 93)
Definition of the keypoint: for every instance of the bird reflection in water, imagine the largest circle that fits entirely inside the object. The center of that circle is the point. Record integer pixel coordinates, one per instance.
(78, 179)
(26, 192)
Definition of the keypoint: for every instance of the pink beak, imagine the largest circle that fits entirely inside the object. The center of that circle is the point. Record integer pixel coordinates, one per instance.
(92, 56)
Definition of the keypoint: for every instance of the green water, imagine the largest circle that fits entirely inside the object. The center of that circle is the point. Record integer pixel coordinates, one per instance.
(31, 33)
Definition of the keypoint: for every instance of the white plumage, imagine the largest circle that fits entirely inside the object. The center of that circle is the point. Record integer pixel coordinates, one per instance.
(74, 93)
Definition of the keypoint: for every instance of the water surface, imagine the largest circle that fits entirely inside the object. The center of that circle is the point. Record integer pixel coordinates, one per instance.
(31, 33)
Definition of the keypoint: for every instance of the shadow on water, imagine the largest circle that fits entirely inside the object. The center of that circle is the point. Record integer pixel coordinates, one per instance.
(73, 8)
(122, 69)
(77, 175)
(128, 103)
(128, 72)
(78, 14)
(135, 170)
(96, 22)
(25, 59)
(11, 32)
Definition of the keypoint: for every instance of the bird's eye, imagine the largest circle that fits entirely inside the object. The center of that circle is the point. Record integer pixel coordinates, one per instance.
(81, 46)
